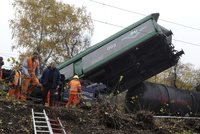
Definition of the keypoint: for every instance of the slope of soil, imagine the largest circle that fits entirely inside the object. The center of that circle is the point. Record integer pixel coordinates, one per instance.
(15, 118)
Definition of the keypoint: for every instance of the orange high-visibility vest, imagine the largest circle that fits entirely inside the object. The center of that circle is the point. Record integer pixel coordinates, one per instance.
(74, 86)
(16, 79)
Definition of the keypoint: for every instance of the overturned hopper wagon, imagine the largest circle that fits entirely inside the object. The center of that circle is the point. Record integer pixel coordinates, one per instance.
(137, 53)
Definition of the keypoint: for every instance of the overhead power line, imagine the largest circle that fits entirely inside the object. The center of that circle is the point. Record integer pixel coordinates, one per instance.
(108, 23)
(198, 29)
(122, 9)
(187, 42)
(194, 44)
(141, 14)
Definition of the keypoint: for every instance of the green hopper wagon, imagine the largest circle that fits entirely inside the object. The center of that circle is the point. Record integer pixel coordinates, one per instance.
(137, 53)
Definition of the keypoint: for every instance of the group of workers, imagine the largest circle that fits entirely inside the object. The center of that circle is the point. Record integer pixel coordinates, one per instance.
(24, 80)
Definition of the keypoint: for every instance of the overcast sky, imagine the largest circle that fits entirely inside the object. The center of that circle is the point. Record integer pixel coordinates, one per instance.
(183, 12)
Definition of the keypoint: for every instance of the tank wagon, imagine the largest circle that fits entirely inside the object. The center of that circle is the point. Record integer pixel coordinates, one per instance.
(137, 53)
(162, 99)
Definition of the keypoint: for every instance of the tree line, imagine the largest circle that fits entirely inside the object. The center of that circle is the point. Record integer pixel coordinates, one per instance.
(183, 76)
(57, 31)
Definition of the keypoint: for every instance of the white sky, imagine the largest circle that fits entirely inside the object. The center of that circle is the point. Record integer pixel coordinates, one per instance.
(180, 11)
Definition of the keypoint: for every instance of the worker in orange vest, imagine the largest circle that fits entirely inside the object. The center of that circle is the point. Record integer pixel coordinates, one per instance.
(15, 81)
(30, 73)
(75, 90)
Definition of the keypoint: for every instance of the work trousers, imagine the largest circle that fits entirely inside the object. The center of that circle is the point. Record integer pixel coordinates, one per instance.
(25, 83)
(72, 98)
(45, 92)
(14, 92)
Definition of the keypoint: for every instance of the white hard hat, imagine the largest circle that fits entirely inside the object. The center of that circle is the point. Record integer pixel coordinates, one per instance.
(75, 77)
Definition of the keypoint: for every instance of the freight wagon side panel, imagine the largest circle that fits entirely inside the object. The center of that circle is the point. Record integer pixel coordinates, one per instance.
(119, 46)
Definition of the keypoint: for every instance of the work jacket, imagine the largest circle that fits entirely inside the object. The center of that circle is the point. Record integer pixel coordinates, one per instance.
(75, 86)
(30, 67)
(45, 80)
(15, 78)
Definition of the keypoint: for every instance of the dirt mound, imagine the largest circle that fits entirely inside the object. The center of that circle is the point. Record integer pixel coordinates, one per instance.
(15, 118)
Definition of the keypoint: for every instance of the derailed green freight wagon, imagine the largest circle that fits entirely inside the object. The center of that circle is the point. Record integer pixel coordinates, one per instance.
(137, 52)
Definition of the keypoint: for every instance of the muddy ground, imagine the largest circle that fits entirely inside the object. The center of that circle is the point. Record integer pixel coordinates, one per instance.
(15, 118)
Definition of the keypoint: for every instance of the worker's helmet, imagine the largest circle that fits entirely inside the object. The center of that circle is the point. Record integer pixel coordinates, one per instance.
(75, 77)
